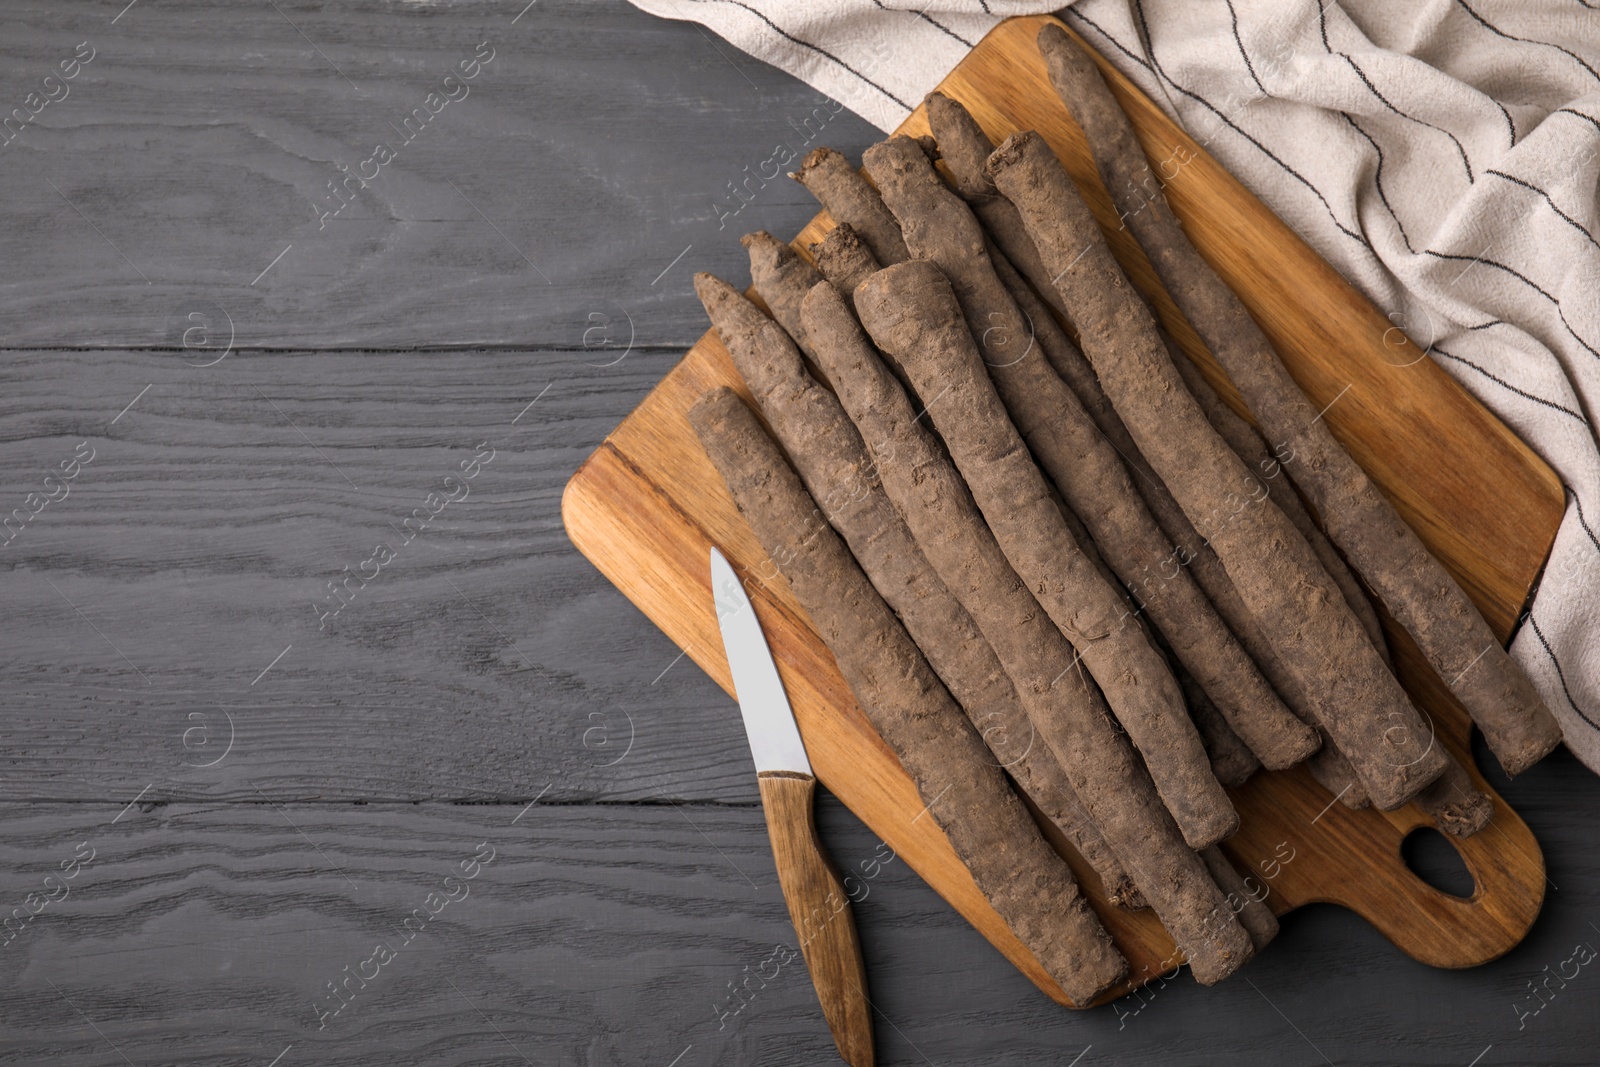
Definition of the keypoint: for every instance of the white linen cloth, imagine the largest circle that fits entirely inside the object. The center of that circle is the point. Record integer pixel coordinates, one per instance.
(1443, 155)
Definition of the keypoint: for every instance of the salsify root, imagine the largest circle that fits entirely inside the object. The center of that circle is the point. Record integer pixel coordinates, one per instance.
(1300, 609)
(848, 197)
(1063, 704)
(1248, 443)
(836, 470)
(846, 261)
(1029, 885)
(1334, 773)
(965, 149)
(844, 258)
(911, 312)
(1388, 554)
(778, 273)
(1092, 477)
(1252, 910)
(1457, 806)
(1231, 759)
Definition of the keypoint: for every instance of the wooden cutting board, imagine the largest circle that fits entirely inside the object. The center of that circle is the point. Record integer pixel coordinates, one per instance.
(648, 504)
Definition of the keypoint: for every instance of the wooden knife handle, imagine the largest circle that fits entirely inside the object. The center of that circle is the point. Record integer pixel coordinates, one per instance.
(820, 911)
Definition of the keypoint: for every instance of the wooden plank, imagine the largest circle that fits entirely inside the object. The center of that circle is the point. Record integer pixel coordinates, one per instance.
(197, 146)
(206, 934)
(648, 504)
(485, 662)
(234, 919)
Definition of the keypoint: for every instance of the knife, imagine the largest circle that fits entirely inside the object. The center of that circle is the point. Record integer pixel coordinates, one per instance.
(818, 904)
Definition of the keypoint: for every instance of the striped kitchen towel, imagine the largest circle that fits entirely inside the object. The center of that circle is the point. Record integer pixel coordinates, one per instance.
(1444, 156)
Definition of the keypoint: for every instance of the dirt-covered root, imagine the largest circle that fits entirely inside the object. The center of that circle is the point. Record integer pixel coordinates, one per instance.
(1028, 884)
(782, 279)
(1415, 587)
(849, 197)
(844, 258)
(836, 470)
(1299, 607)
(1061, 701)
(911, 312)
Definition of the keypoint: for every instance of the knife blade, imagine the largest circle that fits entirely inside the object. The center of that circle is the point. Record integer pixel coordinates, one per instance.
(818, 905)
(768, 720)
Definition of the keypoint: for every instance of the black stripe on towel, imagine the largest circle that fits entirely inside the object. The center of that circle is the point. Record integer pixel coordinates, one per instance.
(1552, 405)
(1568, 219)
(786, 35)
(1155, 64)
(1561, 674)
(1492, 28)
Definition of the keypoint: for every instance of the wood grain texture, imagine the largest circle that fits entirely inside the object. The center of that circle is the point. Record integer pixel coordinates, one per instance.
(619, 925)
(646, 505)
(201, 144)
(211, 934)
(487, 661)
(819, 907)
(613, 934)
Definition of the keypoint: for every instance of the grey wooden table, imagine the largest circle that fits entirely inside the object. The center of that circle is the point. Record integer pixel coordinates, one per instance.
(226, 782)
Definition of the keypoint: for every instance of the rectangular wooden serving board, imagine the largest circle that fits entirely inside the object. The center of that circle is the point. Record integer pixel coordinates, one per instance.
(647, 505)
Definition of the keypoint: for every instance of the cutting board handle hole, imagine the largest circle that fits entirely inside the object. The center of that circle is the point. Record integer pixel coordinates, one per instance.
(1431, 857)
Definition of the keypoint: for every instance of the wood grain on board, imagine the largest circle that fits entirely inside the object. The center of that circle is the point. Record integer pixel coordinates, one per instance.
(647, 504)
